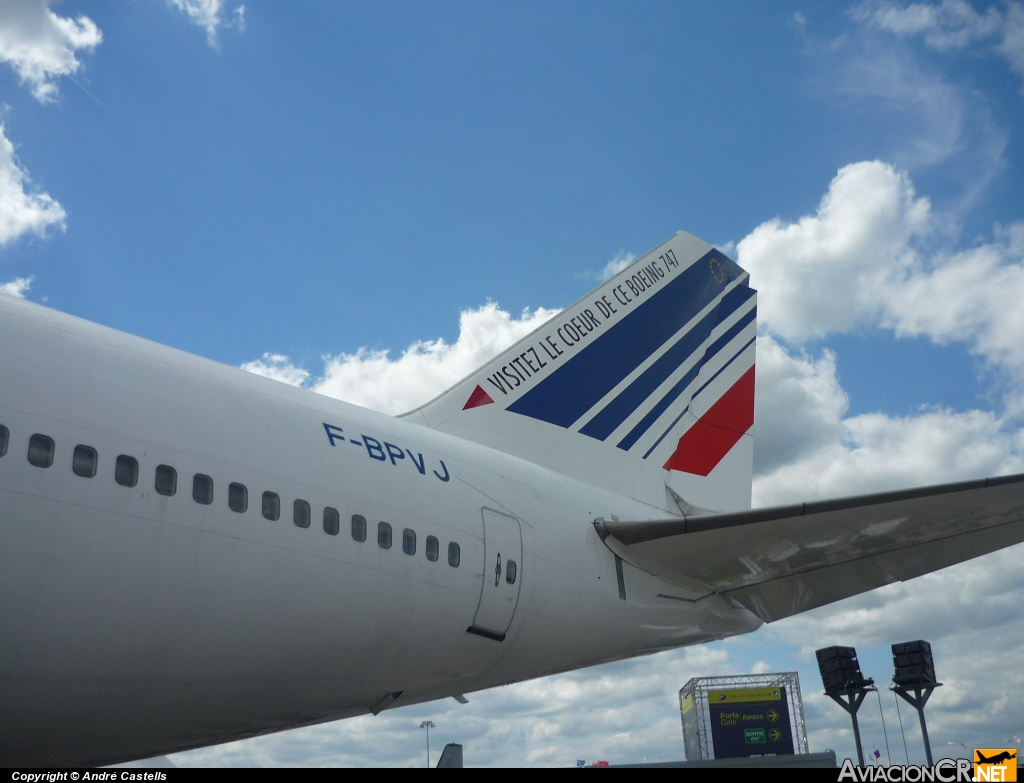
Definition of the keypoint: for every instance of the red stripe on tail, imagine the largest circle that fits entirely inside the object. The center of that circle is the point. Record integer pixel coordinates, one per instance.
(707, 442)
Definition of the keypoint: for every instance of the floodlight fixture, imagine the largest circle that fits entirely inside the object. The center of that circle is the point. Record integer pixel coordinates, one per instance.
(914, 664)
(845, 684)
(428, 725)
(914, 680)
(840, 670)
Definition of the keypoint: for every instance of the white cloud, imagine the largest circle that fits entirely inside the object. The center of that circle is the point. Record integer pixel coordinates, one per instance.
(278, 367)
(827, 272)
(876, 452)
(872, 256)
(952, 25)
(211, 16)
(621, 261)
(42, 46)
(928, 121)
(425, 369)
(16, 287)
(728, 248)
(970, 296)
(868, 259)
(21, 211)
(798, 407)
(914, 112)
(1012, 45)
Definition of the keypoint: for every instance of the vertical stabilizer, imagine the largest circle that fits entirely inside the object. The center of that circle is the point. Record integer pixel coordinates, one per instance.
(645, 386)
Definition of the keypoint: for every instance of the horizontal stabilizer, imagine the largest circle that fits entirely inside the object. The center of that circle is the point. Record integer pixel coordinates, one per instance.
(788, 559)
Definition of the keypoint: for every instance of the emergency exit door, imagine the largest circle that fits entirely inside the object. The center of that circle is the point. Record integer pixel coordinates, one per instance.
(502, 575)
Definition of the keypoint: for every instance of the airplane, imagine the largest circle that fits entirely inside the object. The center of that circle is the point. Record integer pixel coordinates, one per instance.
(192, 554)
(999, 758)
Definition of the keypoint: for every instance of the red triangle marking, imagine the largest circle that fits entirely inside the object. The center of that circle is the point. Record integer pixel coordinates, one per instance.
(477, 398)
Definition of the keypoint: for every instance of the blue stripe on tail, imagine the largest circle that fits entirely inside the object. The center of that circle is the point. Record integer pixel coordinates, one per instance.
(649, 419)
(673, 394)
(568, 393)
(633, 396)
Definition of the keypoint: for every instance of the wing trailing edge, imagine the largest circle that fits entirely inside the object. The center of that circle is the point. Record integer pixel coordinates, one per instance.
(784, 560)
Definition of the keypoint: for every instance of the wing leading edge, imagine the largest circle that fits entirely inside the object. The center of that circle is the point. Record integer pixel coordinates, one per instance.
(783, 560)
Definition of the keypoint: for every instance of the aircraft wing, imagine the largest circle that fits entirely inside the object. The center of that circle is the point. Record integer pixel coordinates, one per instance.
(780, 561)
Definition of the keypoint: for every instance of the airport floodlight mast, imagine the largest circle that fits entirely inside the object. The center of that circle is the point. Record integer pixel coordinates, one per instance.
(915, 672)
(841, 676)
(428, 725)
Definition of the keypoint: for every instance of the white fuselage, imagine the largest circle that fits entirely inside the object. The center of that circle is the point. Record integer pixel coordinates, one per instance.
(135, 623)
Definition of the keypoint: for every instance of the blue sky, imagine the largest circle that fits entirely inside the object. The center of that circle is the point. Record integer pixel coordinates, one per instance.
(300, 188)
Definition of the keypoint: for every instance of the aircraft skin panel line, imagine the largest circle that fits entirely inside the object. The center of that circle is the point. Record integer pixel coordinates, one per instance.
(192, 554)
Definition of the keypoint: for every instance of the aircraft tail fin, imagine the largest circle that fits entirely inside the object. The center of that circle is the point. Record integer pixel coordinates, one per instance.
(644, 386)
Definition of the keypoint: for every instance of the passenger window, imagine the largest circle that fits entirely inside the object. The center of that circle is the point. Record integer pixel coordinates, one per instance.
(202, 489)
(332, 521)
(384, 535)
(301, 513)
(238, 497)
(271, 506)
(454, 555)
(126, 471)
(83, 462)
(5, 435)
(409, 541)
(40, 451)
(432, 549)
(166, 482)
(358, 528)
(510, 572)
